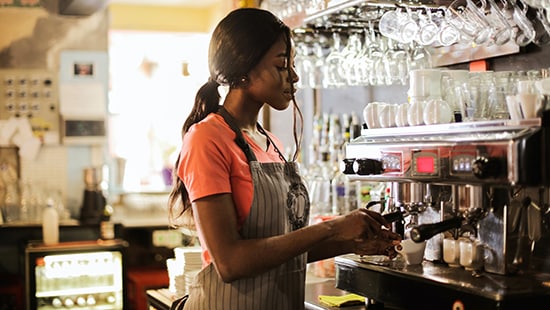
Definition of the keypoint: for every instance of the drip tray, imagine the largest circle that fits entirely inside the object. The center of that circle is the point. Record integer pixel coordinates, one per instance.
(436, 286)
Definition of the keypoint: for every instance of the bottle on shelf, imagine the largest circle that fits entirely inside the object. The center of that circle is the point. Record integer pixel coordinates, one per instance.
(320, 188)
(355, 126)
(340, 187)
(106, 226)
(50, 224)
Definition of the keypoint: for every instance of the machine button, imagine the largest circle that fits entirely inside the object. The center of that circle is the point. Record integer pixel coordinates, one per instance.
(467, 166)
(367, 166)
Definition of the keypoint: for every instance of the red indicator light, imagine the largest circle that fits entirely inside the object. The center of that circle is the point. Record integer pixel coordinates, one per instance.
(425, 165)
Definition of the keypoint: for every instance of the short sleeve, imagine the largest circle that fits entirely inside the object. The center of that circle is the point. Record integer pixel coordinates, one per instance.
(203, 167)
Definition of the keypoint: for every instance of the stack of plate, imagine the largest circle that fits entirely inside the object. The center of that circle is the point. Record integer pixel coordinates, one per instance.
(185, 266)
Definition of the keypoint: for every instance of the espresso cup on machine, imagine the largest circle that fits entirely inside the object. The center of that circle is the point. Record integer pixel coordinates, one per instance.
(371, 114)
(401, 118)
(528, 99)
(471, 254)
(412, 252)
(530, 104)
(514, 108)
(451, 251)
(437, 111)
(386, 115)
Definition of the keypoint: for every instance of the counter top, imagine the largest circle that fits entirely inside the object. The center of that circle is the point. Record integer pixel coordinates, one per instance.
(161, 299)
(38, 246)
(438, 286)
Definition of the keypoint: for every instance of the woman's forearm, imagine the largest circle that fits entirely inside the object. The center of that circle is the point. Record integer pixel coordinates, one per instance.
(250, 257)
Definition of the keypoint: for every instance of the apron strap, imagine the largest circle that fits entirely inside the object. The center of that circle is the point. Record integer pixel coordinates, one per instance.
(262, 130)
(241, 142)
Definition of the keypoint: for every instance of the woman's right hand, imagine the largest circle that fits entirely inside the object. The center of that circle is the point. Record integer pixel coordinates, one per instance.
(362, 225)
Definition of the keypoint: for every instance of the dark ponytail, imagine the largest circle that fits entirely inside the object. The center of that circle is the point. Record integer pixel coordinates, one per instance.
(207, 101)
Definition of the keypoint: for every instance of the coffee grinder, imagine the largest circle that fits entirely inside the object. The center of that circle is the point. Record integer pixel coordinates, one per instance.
(94, 202)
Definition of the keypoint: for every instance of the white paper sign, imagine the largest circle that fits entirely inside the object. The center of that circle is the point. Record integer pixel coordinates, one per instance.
(82, 100)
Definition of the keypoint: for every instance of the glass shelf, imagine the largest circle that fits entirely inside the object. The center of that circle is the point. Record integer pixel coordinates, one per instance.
(494, 130)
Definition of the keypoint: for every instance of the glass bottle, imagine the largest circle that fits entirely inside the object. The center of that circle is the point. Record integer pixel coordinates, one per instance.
(50, 224)
(355, 126)
(320, 189)
(340, 187)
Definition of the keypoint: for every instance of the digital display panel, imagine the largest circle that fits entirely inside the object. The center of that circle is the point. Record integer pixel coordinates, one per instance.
(425, 164)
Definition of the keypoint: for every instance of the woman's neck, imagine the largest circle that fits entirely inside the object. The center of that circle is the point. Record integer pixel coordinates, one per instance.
(244, 112)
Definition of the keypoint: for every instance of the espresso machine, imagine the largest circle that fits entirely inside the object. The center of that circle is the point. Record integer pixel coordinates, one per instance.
(488, 180)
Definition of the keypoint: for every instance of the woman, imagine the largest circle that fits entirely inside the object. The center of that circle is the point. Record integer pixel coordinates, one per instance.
(248, 203)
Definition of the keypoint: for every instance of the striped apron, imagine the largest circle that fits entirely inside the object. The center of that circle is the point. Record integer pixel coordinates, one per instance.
(280, 205)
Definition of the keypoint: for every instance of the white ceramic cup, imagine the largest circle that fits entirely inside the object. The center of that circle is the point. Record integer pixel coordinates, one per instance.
(386, 115)
(415, 114)
(437, 111)
(530, 104)
(401, 115)
(471, 254)
(451, 252)
(412, 252)
(370, 114)
(543, 86)
(514, 108)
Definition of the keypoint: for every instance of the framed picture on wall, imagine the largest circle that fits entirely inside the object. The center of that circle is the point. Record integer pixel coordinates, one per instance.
(83, 69)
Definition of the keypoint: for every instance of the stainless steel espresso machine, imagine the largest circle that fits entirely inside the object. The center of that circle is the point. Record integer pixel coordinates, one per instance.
(488, 181)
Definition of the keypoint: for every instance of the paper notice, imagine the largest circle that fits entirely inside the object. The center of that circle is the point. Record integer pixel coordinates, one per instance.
(82, 100)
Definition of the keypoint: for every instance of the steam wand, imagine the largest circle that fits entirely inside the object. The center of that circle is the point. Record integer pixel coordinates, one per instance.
(426, 231)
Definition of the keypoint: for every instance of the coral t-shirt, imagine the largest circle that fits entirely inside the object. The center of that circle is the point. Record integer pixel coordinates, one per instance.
(212, 163)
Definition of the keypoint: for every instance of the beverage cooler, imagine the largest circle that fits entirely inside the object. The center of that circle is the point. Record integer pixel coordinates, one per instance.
(83, 275)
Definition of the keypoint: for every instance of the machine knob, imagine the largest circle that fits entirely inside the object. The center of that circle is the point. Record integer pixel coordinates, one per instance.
(367, 166)
(486, 167)
(346, 166)
(426, 231)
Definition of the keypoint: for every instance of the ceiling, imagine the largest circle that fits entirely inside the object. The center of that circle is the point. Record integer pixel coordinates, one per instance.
(184, 3)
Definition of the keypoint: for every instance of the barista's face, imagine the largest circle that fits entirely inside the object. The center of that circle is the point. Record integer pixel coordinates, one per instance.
(270, 81)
